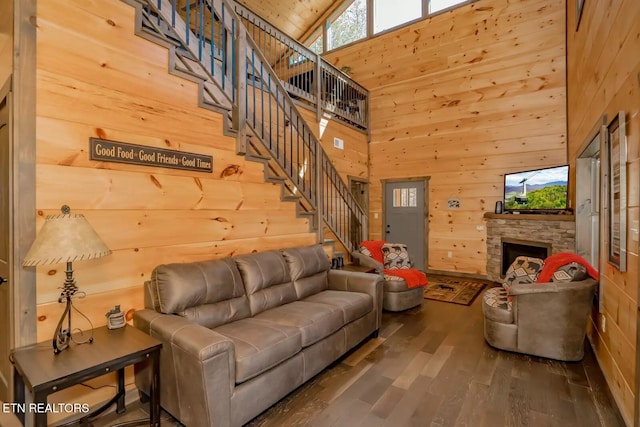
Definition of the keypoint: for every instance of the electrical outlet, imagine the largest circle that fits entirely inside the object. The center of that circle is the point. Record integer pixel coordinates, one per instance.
(338, 143)
(449, 254)
(375, 215)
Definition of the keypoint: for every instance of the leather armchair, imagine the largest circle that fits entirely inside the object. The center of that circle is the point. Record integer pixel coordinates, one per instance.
(396, 296)
(542, 319)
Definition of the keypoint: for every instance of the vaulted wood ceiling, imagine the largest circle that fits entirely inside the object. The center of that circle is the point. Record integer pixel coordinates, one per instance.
(294, 17)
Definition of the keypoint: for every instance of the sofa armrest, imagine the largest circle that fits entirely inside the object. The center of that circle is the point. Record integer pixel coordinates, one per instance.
(197, 368)
(367, 261)
(352, 281)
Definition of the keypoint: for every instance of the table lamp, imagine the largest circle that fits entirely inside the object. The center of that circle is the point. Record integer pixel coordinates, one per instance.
(65, 238)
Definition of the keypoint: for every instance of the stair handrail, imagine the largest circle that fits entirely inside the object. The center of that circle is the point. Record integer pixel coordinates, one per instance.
(325, 173)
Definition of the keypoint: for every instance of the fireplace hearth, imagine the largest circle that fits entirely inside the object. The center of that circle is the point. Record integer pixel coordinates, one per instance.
(513, 248)
(552, 233)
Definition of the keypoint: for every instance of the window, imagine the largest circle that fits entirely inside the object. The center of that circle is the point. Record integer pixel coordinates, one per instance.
(349, 26)
(438, 5)
(387, 14)
(315, 44)
(405, 197)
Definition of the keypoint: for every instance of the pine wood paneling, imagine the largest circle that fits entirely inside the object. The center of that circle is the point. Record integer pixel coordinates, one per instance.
(294, 18)
(353, 160)
(96, 78)
(6, 40)
(463, 98)
(603, 68)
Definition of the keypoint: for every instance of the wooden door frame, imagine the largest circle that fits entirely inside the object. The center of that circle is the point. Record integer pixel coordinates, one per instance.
(353, 178)
(21, 89)
(425, 180)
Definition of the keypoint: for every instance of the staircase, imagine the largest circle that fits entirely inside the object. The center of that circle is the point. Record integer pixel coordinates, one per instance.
(209, 44)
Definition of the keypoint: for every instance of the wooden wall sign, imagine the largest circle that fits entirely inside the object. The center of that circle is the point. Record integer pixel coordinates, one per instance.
(122, 152)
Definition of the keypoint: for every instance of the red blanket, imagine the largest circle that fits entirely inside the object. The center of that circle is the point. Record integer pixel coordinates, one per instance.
(552, 263)
(414, 278)
(375, 247)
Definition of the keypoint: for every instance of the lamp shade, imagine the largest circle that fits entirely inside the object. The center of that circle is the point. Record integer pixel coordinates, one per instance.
(64, 238)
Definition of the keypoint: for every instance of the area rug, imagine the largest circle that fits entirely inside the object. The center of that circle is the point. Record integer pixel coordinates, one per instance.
(457, 291)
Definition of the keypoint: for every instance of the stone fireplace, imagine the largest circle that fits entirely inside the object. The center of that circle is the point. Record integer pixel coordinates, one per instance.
(525, 234)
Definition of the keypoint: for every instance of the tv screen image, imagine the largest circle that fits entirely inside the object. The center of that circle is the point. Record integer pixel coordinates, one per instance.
(540, 189)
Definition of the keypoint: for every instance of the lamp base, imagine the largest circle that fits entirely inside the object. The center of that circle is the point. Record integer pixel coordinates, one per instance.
(62, 337)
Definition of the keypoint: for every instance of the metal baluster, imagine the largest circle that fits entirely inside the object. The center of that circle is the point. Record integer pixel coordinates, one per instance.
(213, 40)
(187, 20)
(253, 83)
(262, 99)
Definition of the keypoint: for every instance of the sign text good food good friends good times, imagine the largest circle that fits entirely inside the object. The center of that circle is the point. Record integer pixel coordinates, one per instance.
(122, 152)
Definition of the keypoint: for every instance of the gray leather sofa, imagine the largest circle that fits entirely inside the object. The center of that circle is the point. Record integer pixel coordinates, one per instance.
(240, 333)
(542, 319)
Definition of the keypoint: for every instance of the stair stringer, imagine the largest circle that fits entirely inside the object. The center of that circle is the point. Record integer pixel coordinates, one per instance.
(273, 173)
(182, 64)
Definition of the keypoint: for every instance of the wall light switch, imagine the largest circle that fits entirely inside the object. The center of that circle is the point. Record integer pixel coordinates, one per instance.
(375, 215)
(338, 143)
(479, 227)
(449, 254)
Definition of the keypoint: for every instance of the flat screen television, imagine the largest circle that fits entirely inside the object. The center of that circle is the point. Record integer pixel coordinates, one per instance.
(536, 190)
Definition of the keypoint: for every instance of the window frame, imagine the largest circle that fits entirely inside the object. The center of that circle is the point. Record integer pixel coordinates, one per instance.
(324, 24)
(346, 4)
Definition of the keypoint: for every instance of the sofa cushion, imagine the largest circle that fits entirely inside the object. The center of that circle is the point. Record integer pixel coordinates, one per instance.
(260, 345)
(308, 267)
(396, 256)
(315, 321)
(209, 293)
(395, 284)
(266, 280)
(496, 305)
(354, 305)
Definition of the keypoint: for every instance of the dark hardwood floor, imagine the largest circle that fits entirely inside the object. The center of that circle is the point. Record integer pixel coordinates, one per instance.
(430, 366)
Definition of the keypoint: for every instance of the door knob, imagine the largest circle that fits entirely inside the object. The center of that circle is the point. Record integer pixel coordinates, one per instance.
(2, 280)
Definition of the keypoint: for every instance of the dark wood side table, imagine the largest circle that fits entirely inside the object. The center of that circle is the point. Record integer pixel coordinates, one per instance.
(41, 372)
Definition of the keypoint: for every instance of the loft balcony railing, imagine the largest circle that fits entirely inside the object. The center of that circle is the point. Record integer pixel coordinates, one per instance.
(214, 46)
(298, 67)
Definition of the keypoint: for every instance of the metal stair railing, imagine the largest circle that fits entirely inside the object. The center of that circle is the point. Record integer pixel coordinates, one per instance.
(269, 126)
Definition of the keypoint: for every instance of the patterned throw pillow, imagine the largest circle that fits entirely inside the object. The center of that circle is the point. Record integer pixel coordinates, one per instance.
(572, 272)
(497, 298)
(395, 256)
(522, 270)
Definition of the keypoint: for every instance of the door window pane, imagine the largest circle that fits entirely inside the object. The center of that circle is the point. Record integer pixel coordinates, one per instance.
(405, 197)
(388, 14)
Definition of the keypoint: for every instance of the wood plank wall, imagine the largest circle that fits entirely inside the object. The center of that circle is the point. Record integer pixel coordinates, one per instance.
(96, 78)
(464, 97)
(6, 40)
(604, 78)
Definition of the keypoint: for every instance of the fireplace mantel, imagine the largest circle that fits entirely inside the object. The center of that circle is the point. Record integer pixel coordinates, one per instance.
(533, 217)
(555, 230)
